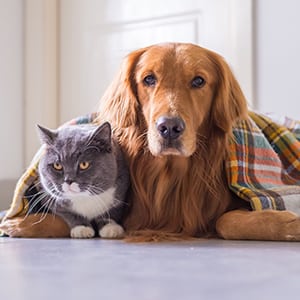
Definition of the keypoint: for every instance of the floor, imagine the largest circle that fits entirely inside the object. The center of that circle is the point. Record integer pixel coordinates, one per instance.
(104, 269)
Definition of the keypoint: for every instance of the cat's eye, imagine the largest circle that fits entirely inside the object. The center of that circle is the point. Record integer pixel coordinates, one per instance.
(57, 166)
(84, 165)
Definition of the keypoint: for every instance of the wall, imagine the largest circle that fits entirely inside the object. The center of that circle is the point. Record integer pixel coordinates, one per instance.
(40, 70)
(11, 101)
(11, 87)
(277, 57)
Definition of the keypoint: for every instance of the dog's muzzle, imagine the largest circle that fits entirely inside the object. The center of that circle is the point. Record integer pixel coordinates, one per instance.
(170, 128)
(167, 137)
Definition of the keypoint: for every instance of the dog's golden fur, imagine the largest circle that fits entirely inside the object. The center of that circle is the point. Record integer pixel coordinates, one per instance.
(179, 186)
(184, 192)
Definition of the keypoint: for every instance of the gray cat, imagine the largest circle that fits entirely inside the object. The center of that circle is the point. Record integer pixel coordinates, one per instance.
(85, 177)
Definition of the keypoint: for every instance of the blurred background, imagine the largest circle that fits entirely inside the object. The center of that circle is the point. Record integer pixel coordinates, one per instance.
(58, 56)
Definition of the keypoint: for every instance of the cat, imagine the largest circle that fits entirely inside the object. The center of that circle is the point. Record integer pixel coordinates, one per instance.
(84, 179)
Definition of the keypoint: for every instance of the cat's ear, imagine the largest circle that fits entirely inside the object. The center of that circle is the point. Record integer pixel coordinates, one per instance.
(46, 135)
(102, 136)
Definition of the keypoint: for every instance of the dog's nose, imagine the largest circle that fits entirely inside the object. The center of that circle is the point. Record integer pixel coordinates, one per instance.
(170, 127)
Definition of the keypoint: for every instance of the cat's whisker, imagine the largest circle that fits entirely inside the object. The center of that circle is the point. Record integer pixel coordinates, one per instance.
(51, 207)
(35, 203)
(41, 209)
(118, 202)
(47, 205)
(38, 201)
(94, 190)
(40, 197)
(36, 183)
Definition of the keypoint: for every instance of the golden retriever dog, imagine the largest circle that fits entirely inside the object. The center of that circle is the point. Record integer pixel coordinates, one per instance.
(172, 107)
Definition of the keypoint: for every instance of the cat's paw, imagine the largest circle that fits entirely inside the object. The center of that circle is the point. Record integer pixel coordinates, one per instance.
(82, 232)
(112, 231)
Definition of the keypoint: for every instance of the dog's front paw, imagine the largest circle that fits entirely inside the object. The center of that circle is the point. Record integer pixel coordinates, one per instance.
(82, 232)
(111, 231)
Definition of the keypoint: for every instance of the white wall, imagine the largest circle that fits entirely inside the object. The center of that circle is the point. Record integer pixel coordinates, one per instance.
(11, 88)
(278, 56)
(11, 97)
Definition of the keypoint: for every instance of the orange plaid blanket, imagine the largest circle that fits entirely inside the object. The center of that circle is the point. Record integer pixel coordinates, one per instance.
(263, 166)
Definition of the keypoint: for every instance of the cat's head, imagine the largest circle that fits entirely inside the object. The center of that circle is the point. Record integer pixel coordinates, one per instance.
(78, 160)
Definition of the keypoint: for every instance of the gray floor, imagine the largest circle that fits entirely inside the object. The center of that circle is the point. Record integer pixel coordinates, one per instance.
(103, 269)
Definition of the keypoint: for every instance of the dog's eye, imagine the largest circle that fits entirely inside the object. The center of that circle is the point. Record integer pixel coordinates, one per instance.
(197, 82)
(149, 80)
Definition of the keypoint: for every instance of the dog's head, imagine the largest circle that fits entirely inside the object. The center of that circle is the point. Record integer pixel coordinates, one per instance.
(175, 93)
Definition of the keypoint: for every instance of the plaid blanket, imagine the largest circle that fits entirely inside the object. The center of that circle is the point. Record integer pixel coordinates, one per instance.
(263, 166)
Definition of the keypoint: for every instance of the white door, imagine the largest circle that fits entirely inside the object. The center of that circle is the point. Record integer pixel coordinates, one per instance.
(95, 35)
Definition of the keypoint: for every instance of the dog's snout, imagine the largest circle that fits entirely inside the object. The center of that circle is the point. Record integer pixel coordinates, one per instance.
(170, 127)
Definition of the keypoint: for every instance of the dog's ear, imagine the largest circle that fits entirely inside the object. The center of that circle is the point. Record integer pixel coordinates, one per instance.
(229, 104)
(119, 103)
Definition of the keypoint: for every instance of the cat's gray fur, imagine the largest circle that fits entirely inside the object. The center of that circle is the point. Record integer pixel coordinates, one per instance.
(91, 198)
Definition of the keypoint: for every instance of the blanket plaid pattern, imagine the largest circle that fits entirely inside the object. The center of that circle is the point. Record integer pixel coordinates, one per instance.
(263, 166)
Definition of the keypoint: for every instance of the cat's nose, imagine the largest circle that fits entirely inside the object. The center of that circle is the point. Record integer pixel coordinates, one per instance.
(69, 180)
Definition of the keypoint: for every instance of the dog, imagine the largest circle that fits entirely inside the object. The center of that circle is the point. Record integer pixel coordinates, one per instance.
(172, 108)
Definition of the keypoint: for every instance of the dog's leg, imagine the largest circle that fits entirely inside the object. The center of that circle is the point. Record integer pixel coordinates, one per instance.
(269, 225)
(36, 226)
